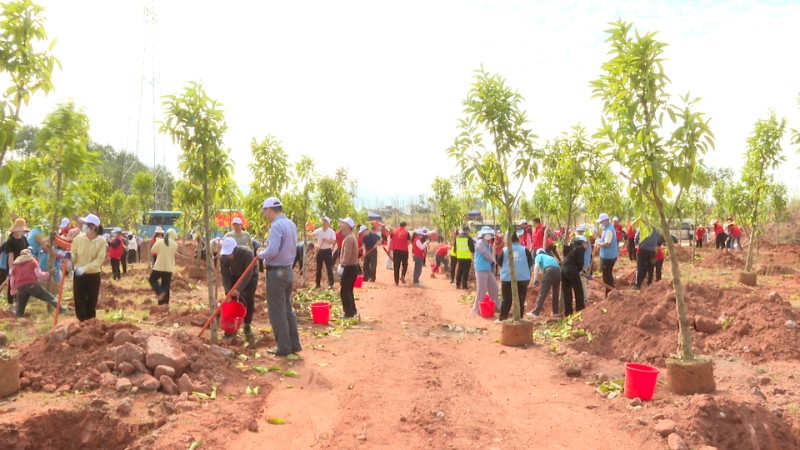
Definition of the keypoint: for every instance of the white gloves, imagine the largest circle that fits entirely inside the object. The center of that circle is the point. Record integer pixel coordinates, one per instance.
(340, 270)
(80, 271)
(262, 254)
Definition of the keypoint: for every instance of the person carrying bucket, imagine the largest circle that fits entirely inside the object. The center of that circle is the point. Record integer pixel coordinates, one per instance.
(233, 261)
(484, 270)
(442, 255)
(348, 267)
(278, 256)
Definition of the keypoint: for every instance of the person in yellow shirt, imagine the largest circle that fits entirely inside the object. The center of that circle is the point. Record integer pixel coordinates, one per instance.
(88, 253)
(161, 275)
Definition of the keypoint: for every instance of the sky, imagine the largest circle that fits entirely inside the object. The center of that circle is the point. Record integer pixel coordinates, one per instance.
(377, 87)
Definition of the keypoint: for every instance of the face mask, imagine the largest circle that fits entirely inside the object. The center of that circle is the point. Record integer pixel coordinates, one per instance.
(487, 237)
(85, 228)
(520, 232)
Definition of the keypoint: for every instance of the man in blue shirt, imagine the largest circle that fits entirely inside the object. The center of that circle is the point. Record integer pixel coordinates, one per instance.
(609, 250)
(278, 256)
(550, 281)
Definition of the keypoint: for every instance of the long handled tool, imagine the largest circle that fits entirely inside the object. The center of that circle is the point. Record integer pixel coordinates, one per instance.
(61, 289)
(227, 297)
(610, 288)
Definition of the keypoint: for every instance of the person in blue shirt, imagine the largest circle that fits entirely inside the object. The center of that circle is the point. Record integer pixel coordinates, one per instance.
(278, 256)
(523, 262)
(609, 250)
(484, 270)
(551, 281)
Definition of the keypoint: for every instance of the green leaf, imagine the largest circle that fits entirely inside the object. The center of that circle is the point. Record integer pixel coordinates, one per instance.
(276, 421)
(292, 357)
(275, 368)
(291, 373)
(252, 391)
(261, 370)
(195, 445)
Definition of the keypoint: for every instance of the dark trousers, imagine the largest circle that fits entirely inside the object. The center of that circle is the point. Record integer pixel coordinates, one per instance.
(325, 257)
(453, 268)
(160, 282)
(32, 290)
(720, 240)
(400, 258)
(607, 268)
(281, 313)
(115, 269)
(3, 278)
(659, 265)
(336, 254)
(298, 259)
(131, 256)
(505, 307)
(462, 277)
(370, 265)
(631, 249)
(441, 261)
(124, 261)
(571, 282)
(347, 281)
(645, 263)
(699, 242)
(419, 263)
(551, 281)
(85, 291)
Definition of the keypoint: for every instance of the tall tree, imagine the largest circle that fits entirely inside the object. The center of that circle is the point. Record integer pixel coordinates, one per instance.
(632, 87)
(30, 70)
(496, 147)
(196, 122)
(764, 154)
(61, 144)
(448, 213)
(270, 170)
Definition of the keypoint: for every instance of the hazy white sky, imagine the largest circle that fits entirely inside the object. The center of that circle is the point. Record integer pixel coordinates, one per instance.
(377, 86)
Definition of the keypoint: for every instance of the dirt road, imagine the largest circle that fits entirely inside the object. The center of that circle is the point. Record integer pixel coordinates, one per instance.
(421, 372)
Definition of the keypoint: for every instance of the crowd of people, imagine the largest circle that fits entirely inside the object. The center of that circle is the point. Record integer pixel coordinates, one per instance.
(351, 251)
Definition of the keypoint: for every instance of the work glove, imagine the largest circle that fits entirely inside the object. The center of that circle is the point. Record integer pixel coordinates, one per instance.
(262, 254)
(536, 283)
(80, 271)
(68, 255)
(60, 254)
(340, 270)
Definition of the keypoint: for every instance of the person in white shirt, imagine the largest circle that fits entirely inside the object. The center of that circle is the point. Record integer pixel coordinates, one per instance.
(326, 240)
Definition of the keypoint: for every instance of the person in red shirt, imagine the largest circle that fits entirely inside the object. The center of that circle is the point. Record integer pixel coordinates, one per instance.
(525, 238)
(116, 248)
(442, 259)
(736, 236)
(631, 241)
(538, 235)
(659, 260)
(700, 233)
(618, 227)
(399, 247)
(719, 235)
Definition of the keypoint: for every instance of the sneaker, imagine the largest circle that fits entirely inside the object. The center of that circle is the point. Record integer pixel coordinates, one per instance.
(248, 334)
(531, 315)
(498, 321)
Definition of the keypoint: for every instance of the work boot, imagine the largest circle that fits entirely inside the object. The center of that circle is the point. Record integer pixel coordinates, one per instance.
(248, 334)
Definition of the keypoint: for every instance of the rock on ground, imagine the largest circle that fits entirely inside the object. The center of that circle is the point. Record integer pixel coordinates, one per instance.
(163, 351)
(128, 352)
(185, 384)
(145, 382)
(706, 325)
(123, 385)
(646, 321)
(676, 442)
(168, 385)
(123, 337)
(665, 427)
(164, 370)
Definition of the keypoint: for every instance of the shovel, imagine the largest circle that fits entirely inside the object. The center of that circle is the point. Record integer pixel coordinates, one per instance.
(61, 289)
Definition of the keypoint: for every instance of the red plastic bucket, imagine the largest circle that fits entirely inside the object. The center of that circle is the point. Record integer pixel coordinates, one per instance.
(321, 313)
(487, 309)
(231, 316)
(359, 282)
(640, 381)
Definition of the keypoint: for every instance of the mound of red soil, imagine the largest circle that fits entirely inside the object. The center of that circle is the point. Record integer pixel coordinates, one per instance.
(76, 354)
(721, 259)
(784, 255)
(725, 423)
(642, 326)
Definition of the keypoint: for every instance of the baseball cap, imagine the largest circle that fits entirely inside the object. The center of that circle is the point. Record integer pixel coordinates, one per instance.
(237, 220)
(362, 228)
(117, 230)
(581, 237)
(92, 219)
(523, 222)
(228, 245)
(580, 228)
(326, 219)
(271, 203)
(348, 221)
(616, 219)
(64, 222)
(602, 217)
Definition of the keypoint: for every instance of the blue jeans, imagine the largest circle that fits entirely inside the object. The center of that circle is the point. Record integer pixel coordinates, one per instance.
(281, 313)
(735, 242)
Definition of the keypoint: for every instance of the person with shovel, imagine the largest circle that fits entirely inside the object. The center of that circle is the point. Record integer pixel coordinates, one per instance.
(25, 283)
(233, 261)
(278, 256)
(571, 266)
(609, 250)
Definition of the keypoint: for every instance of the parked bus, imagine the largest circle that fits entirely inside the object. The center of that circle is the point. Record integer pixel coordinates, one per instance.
(163, 219)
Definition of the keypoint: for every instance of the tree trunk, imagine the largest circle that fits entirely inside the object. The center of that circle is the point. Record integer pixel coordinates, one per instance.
(748, 264)
(512, 267)
(212, 301)
(685, 334)
(54, 223)
(305, 239)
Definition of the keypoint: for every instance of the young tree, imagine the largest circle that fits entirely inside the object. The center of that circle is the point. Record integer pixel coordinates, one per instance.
(635, 102)
(695, 202)
(764, 154)
(141, 192)
(21, 29)
(197, 123)
(270, 169)
(447, 211)
(496, 148)
(605, 193)
(61, 143)
(777, 204)
(566, 165)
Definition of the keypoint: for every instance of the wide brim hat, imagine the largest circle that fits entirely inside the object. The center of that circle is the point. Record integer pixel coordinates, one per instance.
(24, 256)
(485, 230)
(19, 225)
(159, 229)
